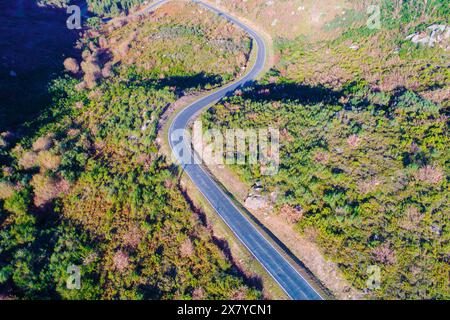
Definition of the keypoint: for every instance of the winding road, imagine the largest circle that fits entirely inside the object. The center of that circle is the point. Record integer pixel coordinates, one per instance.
(289, 279)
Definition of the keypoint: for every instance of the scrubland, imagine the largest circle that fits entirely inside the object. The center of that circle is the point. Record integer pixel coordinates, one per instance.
(84, 183)
(363, 119)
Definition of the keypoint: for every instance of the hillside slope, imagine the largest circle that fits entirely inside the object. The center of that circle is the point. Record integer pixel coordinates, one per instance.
(364, 171)
(86, 186)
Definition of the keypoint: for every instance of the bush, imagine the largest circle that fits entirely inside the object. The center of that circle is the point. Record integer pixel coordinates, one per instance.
(29, 160)
(92, 72)
(48, 161)
(411, 102)
(18, 203)
(7, 189)
(42, 144)
(71, 65)
(430, 174)
(47, 188)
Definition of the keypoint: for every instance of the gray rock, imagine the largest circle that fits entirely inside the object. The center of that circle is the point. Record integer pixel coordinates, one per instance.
(256, 202)
(436, 34)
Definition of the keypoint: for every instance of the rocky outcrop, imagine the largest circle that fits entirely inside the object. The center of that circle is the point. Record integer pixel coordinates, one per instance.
(257, 202)
(434, 35)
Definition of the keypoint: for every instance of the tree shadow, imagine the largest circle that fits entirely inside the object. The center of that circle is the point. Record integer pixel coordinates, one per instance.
(34, 42)
(291, 92)
(188, 82)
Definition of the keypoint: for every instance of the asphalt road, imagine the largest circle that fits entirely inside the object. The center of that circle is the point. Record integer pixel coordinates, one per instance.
(276, 265)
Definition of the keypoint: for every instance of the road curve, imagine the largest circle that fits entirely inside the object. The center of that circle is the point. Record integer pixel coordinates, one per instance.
(289, 279)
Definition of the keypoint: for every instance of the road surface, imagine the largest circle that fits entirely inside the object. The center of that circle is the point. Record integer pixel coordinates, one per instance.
(295, 286)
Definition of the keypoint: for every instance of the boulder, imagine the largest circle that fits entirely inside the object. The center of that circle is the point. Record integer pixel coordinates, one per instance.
(436, 34)
(256, 202)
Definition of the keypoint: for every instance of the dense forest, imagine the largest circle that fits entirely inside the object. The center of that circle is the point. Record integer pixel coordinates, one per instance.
(84, 184)
(364, 166)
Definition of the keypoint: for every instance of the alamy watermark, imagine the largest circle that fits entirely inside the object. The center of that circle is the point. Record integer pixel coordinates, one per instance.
(73, 281)
(373, 281)
(232, 147)
(74, 20)
(374, 21)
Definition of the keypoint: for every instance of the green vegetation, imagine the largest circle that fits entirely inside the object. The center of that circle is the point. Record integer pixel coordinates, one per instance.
(112, 7)
(53, 3)
(364, 125)
(364, 169)
(85, 185)
(180, 39)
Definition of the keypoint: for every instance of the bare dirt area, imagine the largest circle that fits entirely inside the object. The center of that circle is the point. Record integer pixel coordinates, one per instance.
(301, 246)
(33, 44)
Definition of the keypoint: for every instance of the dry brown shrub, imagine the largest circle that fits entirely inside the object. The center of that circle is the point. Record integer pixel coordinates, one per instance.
(47, 188)
(42, 144)
(28, 160)
(123, 49)
(290, 214)
(3, 142)
(437, 96)
(106, 71)
(99, 145)
(119, 23)
(73, 132)
(92, 72)
(49, 161)
(92, 33)
(133, 237)
(91, 66)
(92, 46)
(368, 186)
(321, 157)
(168, 183)
(121, 261)
(186, 248)
(103, 42)
(198, 294)
(7, 135)
(333, 76)
(412, 218)
(399, 78)
(81, 86)
(384, 254)
(79, 104)
(6, 190)
(354, 141)
(71, 65)
(430, 174)
(239, 294)
(90, 80)
(86, 54)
